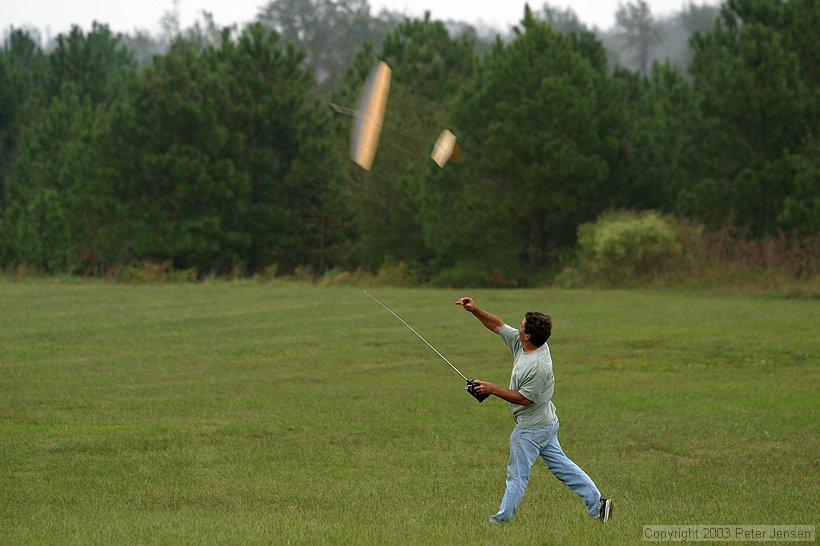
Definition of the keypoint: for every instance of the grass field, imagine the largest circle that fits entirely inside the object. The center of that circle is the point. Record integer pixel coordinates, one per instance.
(271, 413)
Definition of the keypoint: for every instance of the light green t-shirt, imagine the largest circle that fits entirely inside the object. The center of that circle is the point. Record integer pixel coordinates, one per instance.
(532, 377)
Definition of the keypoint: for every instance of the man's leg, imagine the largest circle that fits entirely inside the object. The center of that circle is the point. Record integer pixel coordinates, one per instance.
(525, 445)
(570, 473)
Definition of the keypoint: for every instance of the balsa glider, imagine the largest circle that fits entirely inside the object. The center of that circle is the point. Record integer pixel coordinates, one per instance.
(369, 120)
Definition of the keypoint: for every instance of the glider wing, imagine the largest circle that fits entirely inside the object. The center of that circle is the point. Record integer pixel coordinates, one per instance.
(364, 137)
(445, 148)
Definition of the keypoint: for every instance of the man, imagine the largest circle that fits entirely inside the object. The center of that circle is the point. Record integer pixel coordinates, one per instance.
(530, 398)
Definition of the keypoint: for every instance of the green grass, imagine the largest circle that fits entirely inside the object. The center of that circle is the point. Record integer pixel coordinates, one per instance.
(269, 413)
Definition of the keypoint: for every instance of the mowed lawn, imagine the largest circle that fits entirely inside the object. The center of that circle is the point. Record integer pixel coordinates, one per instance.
(259, 413)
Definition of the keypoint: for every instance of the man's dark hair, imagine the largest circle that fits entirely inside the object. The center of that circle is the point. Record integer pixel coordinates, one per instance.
(538, 326)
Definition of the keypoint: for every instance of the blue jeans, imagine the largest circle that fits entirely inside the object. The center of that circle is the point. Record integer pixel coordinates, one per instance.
(526, 444)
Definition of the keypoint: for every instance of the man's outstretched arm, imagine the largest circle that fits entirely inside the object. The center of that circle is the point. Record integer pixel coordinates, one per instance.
(489, 320)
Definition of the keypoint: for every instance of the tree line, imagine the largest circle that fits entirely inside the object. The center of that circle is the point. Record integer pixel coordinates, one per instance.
(221, 154)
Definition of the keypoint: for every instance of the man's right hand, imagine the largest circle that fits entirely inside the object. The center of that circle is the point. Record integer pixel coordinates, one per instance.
(489, 320)
(467, 303)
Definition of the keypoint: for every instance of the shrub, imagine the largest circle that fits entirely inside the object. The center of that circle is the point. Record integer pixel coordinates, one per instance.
(620, 247)
(267, 274)
(341, 277)
(629, 249)
(474, 275)
(570, 277)
(392, 273)
(153, 272)
(304, 273)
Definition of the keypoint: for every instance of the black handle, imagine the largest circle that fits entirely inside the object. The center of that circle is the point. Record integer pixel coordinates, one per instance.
(471, 389)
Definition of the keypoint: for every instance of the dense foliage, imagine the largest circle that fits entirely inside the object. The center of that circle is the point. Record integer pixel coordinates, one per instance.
(221, 155)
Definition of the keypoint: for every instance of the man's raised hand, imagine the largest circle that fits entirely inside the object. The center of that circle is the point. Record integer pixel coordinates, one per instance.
(466, 302)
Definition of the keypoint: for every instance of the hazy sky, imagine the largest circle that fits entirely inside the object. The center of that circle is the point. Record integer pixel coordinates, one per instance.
(55, 16)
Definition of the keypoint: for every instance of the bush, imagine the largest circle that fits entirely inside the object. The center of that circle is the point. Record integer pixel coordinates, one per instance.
(570, 277)
(621, 247)
(341, 277)
(390, 273)
(473, 275)
(154, 272)
(629, 248)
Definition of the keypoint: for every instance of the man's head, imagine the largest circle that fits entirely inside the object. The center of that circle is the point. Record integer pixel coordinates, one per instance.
(537, 327)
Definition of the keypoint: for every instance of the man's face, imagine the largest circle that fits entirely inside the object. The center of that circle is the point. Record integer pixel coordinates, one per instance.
(522, 335)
